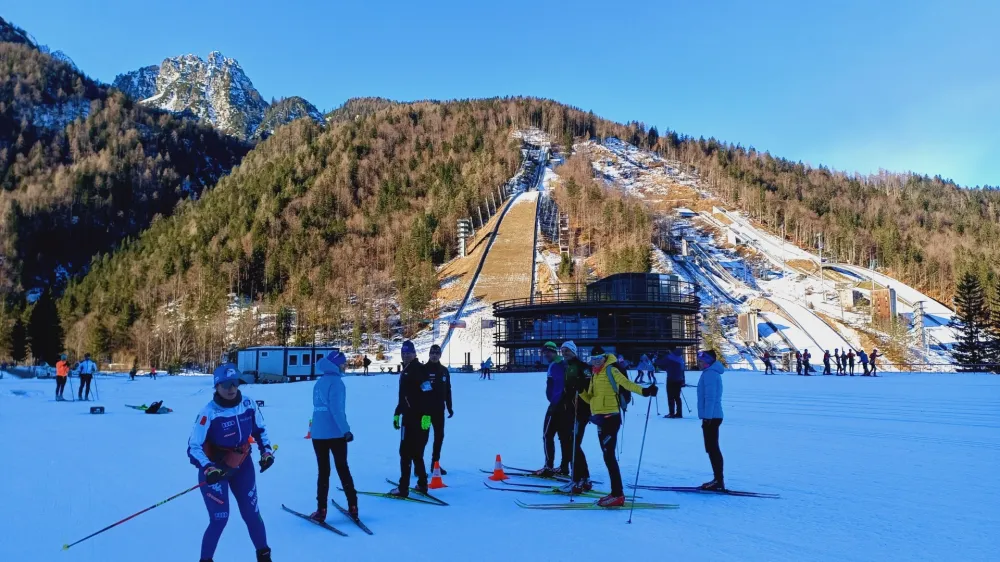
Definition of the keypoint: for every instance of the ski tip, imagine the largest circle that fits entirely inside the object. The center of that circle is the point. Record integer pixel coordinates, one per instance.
(65, 547)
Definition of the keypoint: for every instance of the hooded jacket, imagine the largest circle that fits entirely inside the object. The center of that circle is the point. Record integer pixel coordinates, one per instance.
(674, 363)
(329, 418)
(710, 392)
(601, 395)
(555, 381)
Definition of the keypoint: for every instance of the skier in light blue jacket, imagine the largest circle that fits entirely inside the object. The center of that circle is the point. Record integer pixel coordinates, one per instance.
(710, 412)
(331, 432)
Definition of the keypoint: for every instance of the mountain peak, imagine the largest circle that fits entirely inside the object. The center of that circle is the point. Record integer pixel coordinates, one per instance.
(215, 90)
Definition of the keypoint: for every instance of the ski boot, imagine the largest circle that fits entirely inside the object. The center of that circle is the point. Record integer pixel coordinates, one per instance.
(319, 515)
(443, 471)
(263, 555)
(544, 472)
(611, 501)
(563, 471)
(576, 488)
(399, 492)
(352, 511)
(715, 485)
(422, 486)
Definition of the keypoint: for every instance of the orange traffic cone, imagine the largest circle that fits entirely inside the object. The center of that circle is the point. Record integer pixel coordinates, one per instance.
(436, 481)
(498, 471)
(309, 434)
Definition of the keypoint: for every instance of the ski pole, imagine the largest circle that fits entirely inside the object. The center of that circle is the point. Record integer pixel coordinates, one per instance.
(195, 487)
(635, 488)
(572, 463)
(72, 393)
(96, 395)
(685, 401)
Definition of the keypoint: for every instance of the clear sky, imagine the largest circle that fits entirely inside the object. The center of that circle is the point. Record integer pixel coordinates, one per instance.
(857, 85)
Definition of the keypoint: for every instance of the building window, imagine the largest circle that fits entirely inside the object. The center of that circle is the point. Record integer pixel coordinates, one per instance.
(263, 354)
(305, 358)
(293, 360)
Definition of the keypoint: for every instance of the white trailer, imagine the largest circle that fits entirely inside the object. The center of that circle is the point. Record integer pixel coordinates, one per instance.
(280, 364)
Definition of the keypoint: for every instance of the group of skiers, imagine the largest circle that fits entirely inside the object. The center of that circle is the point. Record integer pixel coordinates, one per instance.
(86, 369)
(579, 393)
(844, 362)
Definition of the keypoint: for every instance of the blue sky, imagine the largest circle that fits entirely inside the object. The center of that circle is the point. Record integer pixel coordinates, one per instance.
(855, 85)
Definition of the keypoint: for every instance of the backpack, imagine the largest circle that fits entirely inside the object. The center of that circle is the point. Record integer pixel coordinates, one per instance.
(624, 395)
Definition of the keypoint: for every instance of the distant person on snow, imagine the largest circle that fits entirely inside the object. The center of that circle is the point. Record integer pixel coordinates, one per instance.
(557, 415)
(645, 366)
(767, 362)
(838, 360)
(577, 381)
(86, 368)
(875, 355)
(826, 362)
(674, 363)
(487, 367)
(365, 363)
(414, 406)
(440, 400)
(850, 361)
(331, 433)
(806, 356)
(131, 373)
(603, 397)
(62, 374)
(798, 363)
(710, 412)
(219, 447)
(152, 373)
(864, 362)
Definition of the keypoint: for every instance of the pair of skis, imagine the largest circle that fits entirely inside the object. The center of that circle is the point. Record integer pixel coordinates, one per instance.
(327, 526)
(593, 506)
(547, 490)
(424, 498)
(699, 490)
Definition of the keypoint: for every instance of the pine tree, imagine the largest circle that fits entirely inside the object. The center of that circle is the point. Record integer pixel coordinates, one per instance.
(18, 341)
(283, 325)
(971, 320)
(100, 340)
(45, 333)
(993, 331)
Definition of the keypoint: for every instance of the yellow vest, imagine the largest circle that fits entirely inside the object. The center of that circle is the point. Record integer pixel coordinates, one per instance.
(601, 395)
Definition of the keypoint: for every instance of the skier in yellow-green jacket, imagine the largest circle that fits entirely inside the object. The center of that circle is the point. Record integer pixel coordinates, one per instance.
(606, 409)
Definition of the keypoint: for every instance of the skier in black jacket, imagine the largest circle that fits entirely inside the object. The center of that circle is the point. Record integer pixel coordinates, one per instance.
(440, 379)
(415, 399)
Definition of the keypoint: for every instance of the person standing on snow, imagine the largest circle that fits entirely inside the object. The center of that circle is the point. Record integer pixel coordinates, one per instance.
(806, 357)
(219, 447)
(863, 357)
(850, 361)
(365, 363)
(826, 362)
(577, 380)
(86, 369)
(414, 405)
(767, 362)
(644, 367)
(798, 363)
(836, 358)
(62, 374)
(440, 379)
(557, 416)
(710, 412)
(602, 395)
(331, 433)
(674, 363)
(875, 355)
(152, 373)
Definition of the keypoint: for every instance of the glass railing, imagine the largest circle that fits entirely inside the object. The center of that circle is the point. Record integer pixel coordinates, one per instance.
(675, 292)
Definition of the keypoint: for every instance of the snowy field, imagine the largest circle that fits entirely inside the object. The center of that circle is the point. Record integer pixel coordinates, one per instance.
(896, 468)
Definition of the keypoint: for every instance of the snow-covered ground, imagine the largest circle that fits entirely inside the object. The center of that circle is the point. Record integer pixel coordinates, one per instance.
(894, 468)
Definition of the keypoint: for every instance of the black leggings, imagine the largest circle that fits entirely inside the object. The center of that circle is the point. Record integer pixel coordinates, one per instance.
(323, 448)
(412, 443)
(85, 382)
(557, 421)
(674, 398)
(710, 430)
(437, 422)
(581, 471)
(60, 385)
(607, 433)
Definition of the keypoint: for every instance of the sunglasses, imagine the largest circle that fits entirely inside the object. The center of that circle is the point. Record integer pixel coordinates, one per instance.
(229, 385)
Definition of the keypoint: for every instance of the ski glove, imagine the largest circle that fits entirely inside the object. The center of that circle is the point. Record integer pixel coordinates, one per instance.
(348, 437)
(395, 421)
(425, 423)
(650, 390)
(450, 412)
(266, 460)
(213, 475)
